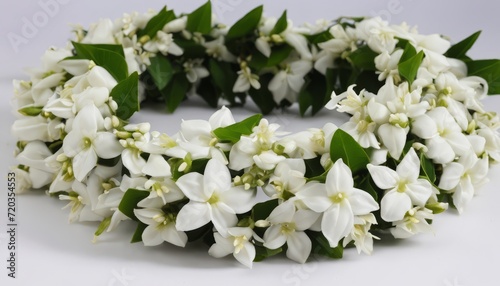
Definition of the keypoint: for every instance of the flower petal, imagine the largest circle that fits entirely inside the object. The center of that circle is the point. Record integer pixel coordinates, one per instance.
(223, 217)
(216, 177)
(273, 237)
(246, 255)
(337, 223)
(299, 247)
(191, 185)
(83, 163)
(106, 145)
(222, 246)
(409, 167)
(239, 199)
(170, 234)
(157, 166)
(152, 236)
(362, 202)
(282, 213)
(383, 177)
(314, 196)
(419, 192)
(451, 176)
(192, 216)
(339, 178)
(394, 206)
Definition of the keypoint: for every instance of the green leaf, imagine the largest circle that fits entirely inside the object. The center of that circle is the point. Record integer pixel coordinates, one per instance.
(208, 92)
(409, 68)
(428, 169)
(245, 25)
(278, 55)
(408, 53)
(489, 70)
(233, 132)
(195, 234)
(31, 110)
(126, 95)
(363, 58)
(160, 70)
(263, 97)
(176, 91)
(320, 37)
(368, 186)
(281, 24)
(200, 20)
(224, 78)
(157, 23)
(313, 93)
(262, 210)
(314, 167)
(460, 49)
(344, 147)
(321, 246)
(110, 57)
(191, 49)
(137, 237)
(262, 252)
(130, 200)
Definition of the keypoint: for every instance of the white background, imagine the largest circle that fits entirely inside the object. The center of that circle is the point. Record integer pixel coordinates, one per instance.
(463, 250)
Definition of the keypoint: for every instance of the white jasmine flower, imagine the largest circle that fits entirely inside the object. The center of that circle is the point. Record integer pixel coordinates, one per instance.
(461, 178)
(195, 71)
(339, 202)
(100, 33)
(246, 79)
(198, 139)
(161, 227)
(256, 148)
(404, 187)
(110, 200)
(86, 142)
(363, 239)
(377, 33)
(237, 242)
(33, 156)
(286, 84)
(31, 128)
(387, 65)
(163, 188)
(444, 137)
(287, 226)
(287, 179)
(414, 221)
(80, 203)
(217, 49)
(163, 43)
(212, 198)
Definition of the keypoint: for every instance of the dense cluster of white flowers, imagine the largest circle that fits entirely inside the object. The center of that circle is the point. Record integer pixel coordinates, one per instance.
(72, 143)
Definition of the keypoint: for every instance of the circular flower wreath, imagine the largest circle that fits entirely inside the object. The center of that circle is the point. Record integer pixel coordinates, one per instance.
(418, 138)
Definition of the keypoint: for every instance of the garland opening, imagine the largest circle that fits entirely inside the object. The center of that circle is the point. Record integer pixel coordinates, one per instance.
(418, 138)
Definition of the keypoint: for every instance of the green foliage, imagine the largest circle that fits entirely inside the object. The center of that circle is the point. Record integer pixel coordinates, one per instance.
(460, 49)
(281, 24)
(408, 68)
(344, 147)
(313, 94)
(232, 133)
(126, 95)
(245, 25)
(427, 168)
(110, 57)
(363, 58)
(137, 237)
(321, 246)
(157, 23)
(487, 69)
(161, 71)
(224, 77)
(200, 20)
(175, 92)
(263, 97)
(31, 110)
(262, 210)
(130, 200)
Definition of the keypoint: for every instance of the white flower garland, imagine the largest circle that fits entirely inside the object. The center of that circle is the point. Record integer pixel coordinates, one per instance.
(418, 137)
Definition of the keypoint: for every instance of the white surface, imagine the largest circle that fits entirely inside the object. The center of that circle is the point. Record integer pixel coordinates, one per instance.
(463, 251)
